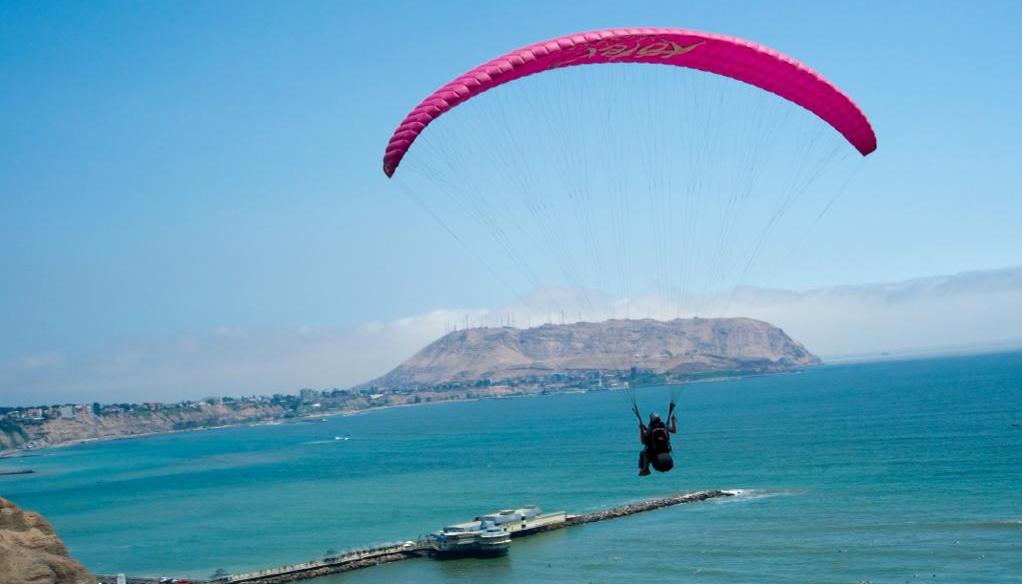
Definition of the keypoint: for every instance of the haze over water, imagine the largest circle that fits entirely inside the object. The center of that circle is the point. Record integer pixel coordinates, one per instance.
(881, 472)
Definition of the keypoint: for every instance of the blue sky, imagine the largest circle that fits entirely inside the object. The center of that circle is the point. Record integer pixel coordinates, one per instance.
(178, 167)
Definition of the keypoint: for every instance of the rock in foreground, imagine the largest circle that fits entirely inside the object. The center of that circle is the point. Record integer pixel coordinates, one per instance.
(31, 553)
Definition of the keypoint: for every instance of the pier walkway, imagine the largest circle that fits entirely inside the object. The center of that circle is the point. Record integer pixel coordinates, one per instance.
(343, 562)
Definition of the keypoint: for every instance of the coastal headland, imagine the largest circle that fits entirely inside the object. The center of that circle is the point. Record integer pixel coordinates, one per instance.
(473, 363)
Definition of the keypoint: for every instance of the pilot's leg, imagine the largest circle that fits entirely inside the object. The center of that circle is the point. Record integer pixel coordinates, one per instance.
(643, 464)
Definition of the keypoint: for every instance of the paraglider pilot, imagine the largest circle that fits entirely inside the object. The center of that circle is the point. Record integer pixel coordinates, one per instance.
(656, 441)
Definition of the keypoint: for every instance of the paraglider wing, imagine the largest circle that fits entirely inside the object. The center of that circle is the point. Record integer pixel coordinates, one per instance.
(722, 55)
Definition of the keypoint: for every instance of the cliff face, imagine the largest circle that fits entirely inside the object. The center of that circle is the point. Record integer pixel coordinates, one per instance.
(89, 427)
(677, 348)
(31, 553)
(12, 437)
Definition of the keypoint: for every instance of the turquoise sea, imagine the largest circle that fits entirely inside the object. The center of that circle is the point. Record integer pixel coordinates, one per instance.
(906, 471)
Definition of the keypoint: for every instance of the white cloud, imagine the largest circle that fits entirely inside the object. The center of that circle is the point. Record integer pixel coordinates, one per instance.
(947, 311)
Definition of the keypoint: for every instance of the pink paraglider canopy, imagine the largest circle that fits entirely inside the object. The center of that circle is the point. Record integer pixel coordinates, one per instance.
(727, 56)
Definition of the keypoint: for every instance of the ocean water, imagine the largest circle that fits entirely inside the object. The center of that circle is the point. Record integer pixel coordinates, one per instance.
(905, 471)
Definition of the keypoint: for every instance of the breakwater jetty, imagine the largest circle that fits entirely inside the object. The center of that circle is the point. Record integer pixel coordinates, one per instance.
(420, 548)
(645, 505)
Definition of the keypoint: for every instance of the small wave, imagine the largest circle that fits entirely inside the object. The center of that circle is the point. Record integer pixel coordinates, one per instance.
(330, 441)
(753, 494)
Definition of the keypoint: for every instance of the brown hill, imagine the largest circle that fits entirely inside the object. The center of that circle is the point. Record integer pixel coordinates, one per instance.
(31, 553)
(674, 348)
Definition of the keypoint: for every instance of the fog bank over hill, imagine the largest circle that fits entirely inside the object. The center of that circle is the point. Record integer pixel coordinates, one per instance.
(962, 310)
